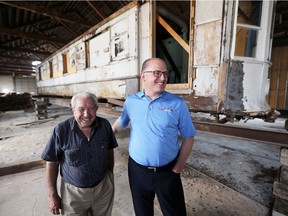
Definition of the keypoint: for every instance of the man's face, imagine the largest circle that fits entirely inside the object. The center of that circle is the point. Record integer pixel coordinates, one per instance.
(155, 82)
(84, 112)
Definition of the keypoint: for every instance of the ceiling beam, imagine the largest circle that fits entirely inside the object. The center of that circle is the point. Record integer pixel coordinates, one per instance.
(25, 50)
(17, 66)
(20, 58)
(41, 33)
(41, 9)
(9, 71)
(68, 28)
(90, 3)
(33, 36)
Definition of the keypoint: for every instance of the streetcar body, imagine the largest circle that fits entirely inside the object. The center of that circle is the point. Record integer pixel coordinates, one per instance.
(218, 62)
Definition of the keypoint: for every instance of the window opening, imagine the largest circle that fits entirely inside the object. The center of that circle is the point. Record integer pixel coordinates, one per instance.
(65, 63)
(167, 47)
(40, 73)
(51, 69)
(87, 54)
(248, 27)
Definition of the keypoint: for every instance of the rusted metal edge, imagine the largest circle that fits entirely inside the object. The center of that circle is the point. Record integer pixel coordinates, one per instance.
(22, 167)
(271, 137)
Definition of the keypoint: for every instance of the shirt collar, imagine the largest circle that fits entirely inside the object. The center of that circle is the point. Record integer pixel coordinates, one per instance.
(142, 94)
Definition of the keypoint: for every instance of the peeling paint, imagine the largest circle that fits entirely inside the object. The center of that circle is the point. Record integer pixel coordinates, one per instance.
(234, 87)
(197, 103)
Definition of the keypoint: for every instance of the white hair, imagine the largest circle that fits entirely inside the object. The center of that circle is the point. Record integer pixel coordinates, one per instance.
(84, 95)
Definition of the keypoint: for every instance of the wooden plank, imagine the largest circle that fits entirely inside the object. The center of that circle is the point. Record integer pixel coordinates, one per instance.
(280, 207)
(173, 33)
(282, 78)
(116, 102)
(280, 190)
(273, 78)
(284, 156)
(22, 167)
(283, 178)
(278, 96)
(8, 135)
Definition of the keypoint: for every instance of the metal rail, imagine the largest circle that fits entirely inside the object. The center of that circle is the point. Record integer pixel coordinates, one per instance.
(271, 137)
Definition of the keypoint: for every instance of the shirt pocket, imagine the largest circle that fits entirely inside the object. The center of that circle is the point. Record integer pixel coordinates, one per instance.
(75, 157)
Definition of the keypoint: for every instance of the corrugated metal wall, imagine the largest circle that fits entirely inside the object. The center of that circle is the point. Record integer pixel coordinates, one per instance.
(25, 84)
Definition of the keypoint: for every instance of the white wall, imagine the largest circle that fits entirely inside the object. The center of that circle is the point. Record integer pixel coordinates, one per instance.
(6, 84)
(25, 84)
(17, 84)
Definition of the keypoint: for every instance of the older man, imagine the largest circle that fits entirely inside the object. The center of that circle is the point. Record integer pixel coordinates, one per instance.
(82, 146)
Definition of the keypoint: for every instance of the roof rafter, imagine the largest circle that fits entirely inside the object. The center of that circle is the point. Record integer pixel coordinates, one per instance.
(25, 50)
(41, 9)
(34, 36)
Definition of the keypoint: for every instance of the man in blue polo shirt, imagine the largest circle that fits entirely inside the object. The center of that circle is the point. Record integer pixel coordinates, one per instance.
(156, 155)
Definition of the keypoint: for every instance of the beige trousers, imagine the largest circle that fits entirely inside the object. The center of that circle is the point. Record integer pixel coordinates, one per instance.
(97, 201)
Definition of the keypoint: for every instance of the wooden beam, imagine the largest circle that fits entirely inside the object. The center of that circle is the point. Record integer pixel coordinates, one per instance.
(112, 16)
(8, 170)
(12, 73)
(3, 70)
(173, 33)
(20, 58)
(32, 36)
(41, 9)
(16, 64)
(68, 28)
(40, 31)
(25, 50)
(3, 67)
(95, 9)
(16, 70)
(116, 102)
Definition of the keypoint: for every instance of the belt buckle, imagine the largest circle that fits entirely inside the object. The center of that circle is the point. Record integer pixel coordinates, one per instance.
(153, 168)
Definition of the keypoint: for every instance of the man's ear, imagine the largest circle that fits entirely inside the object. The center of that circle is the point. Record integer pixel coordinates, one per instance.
(142, 76)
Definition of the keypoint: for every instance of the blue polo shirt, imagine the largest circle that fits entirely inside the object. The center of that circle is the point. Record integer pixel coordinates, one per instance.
(155, 126)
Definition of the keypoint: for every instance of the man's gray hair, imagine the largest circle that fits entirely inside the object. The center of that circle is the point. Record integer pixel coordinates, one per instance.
(85, 95)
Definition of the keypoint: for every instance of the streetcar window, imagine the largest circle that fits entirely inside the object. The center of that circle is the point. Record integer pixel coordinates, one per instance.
(248, 27)
(65, 63)
(51, 69)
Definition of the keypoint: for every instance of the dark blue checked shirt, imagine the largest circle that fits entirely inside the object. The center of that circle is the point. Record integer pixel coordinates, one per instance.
(83, 162)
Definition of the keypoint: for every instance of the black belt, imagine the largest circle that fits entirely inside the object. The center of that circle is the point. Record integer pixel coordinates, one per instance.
(166, 167)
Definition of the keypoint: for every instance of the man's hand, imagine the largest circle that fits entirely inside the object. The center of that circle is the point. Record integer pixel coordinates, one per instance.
(54, 204)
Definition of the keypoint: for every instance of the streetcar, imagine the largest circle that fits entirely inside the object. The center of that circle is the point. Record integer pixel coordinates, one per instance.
(218, 54)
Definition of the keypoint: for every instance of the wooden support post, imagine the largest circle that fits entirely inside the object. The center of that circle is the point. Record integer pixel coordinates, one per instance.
(41, 109)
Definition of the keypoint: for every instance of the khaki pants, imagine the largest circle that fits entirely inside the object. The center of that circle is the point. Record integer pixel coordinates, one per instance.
(97, 201)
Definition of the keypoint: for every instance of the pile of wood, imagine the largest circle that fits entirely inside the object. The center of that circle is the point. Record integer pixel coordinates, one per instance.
(15, 101)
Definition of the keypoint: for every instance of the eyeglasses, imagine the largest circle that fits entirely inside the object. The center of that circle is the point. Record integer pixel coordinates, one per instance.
(89, 109)
(158, 73)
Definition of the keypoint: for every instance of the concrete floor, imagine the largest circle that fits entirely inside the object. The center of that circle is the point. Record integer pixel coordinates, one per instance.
(25, 194)
(224, 176)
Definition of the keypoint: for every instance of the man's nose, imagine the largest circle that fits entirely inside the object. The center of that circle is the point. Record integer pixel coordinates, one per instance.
(86, 112)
